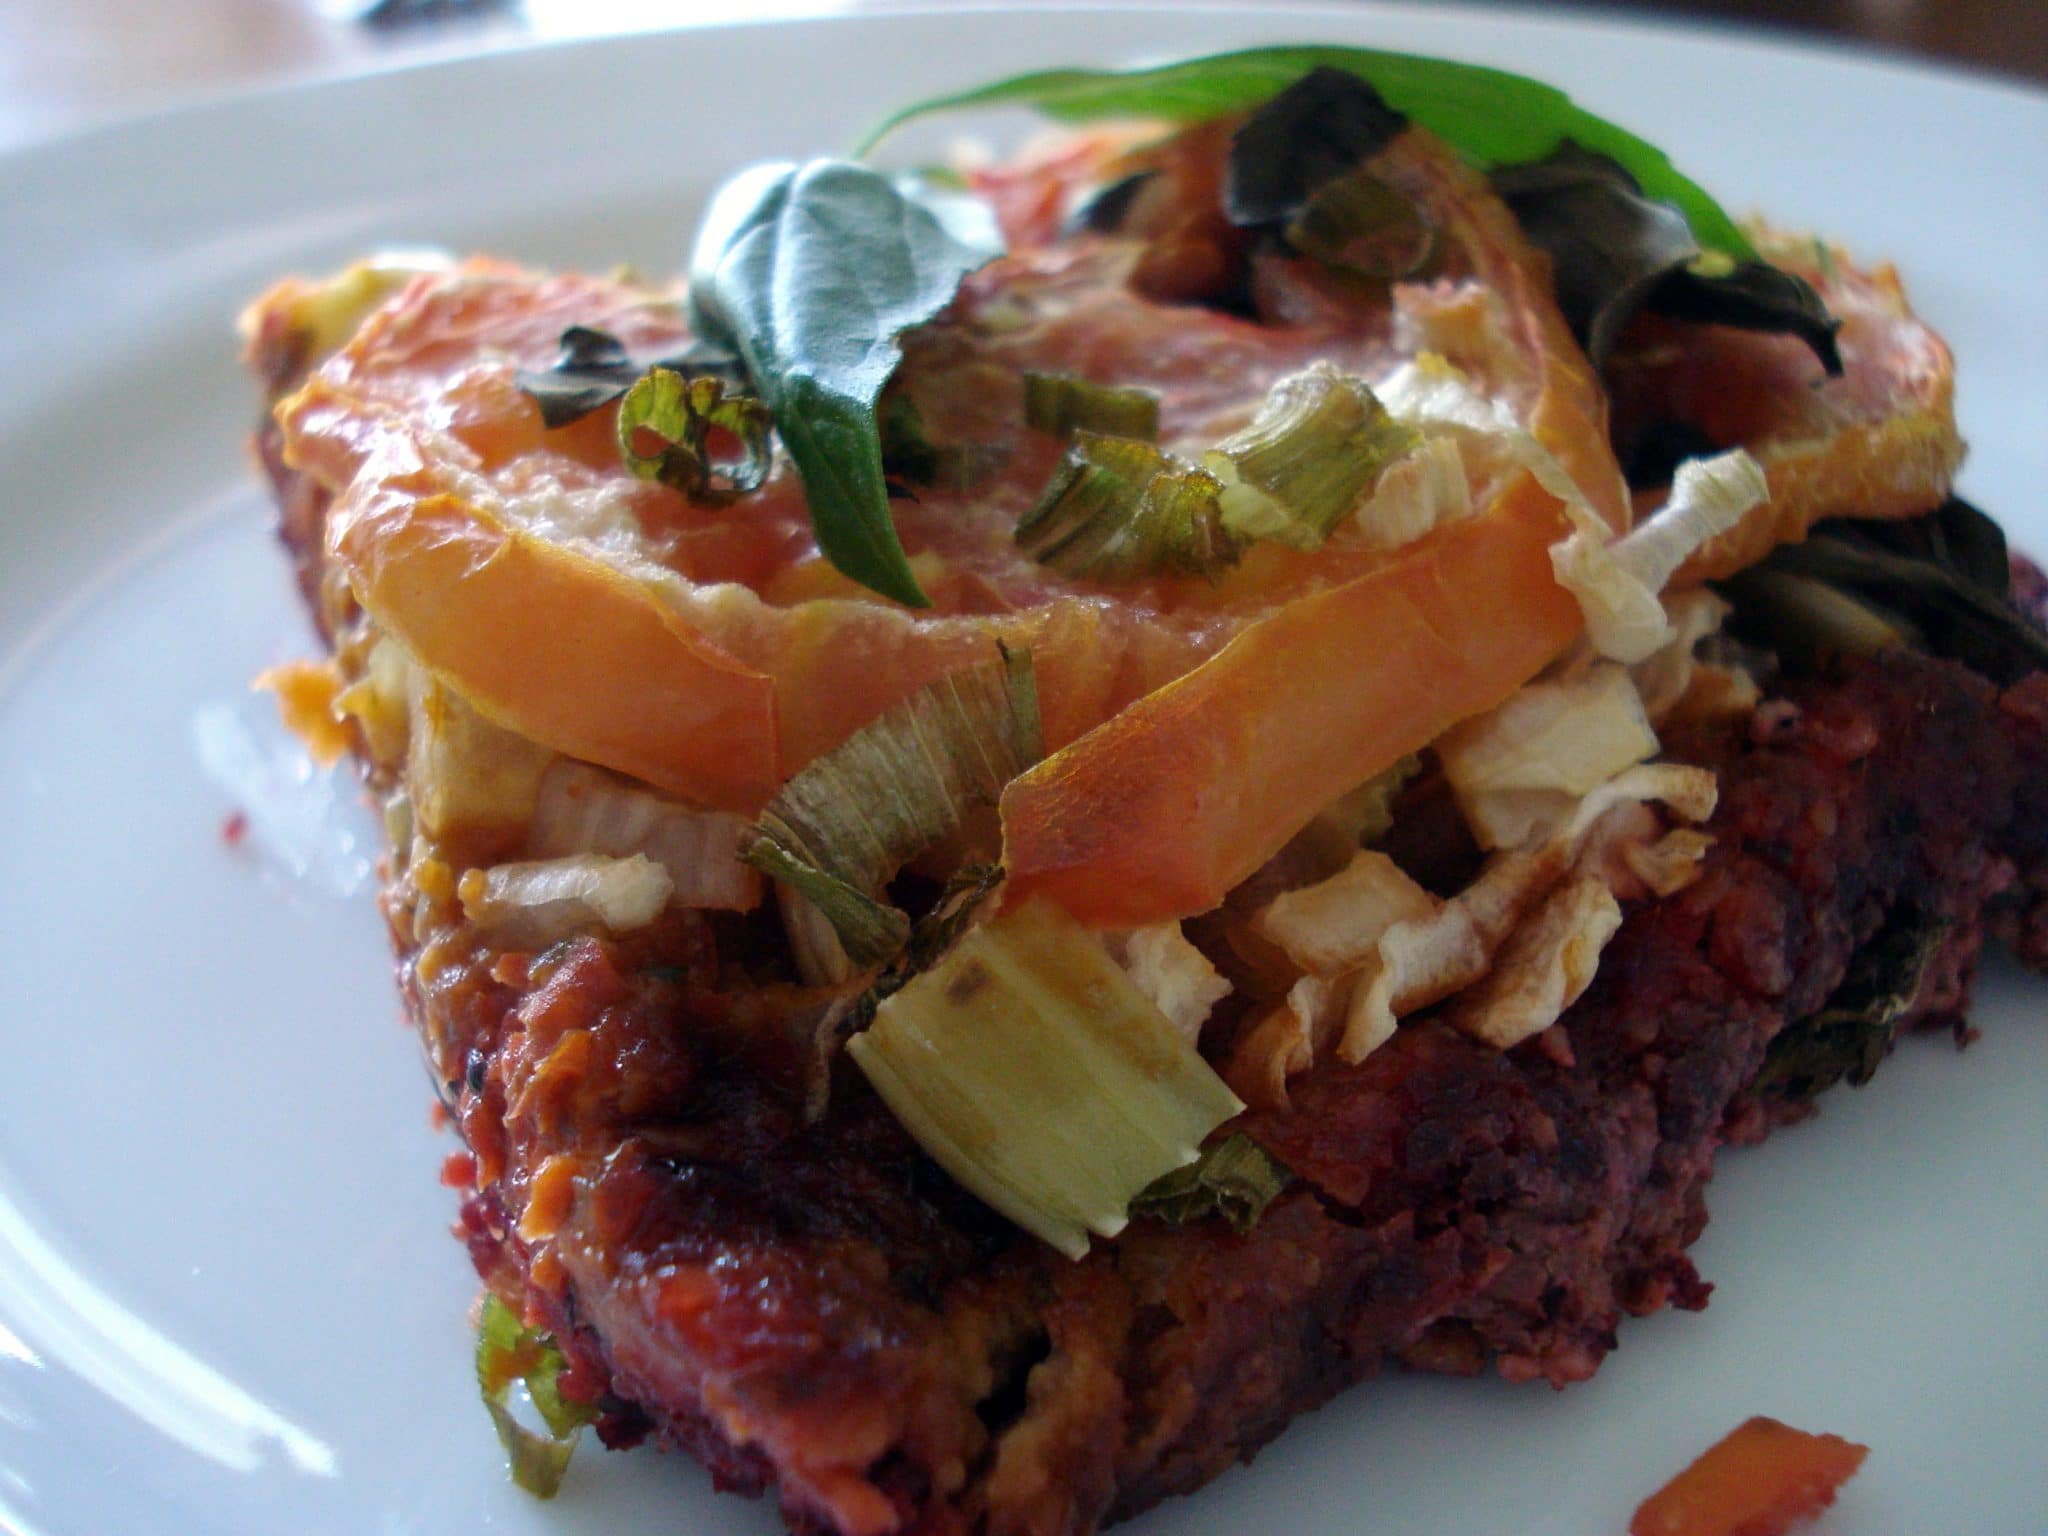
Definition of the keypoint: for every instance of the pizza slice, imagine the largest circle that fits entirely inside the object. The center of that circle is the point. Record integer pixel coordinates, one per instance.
(1014, 867)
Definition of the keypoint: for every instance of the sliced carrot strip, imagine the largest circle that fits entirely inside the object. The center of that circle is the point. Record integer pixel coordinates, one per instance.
(1763, 1479)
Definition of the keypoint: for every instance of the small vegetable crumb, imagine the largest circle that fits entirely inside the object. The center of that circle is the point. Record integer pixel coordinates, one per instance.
(458, 1170)
(234, 828)
(1763, 1479)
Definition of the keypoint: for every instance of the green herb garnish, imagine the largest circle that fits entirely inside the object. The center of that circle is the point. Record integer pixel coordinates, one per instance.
(1117, 509)
(1847, 1038)
(811, 273)
(508, 1351)
(665, 427)
(1494, 117)
(1235, 1179)
(1320, 128)
(1359, 223)
(594, 369)
(839, 830)
(1321, 440)
(1058, 404)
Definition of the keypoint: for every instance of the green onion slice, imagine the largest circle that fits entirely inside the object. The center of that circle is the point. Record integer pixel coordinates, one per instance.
(1317, 446)
(1358, 222)
(679, 415)
(1032, 1069)
(841, 828)
(508, 1351)
(1117, 509)
(1059, 404)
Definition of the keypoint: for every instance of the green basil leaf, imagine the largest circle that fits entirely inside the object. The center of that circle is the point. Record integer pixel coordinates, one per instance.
(1235, 1179)
(1614, 252)
(1494, 117)
(811, 273)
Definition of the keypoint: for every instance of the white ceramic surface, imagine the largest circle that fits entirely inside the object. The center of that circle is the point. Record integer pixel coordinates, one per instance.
(228, 1303)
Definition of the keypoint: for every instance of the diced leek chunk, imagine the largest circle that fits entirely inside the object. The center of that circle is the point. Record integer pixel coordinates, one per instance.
(1033, 1070)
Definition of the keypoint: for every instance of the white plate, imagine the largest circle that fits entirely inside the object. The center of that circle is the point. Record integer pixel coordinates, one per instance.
(228, 1303)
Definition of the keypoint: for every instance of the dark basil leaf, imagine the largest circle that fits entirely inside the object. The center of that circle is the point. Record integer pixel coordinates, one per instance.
(1323, 125)
(1494, 117)
(1654, 451)
(1102, 212)
(1847, 1038)
(1235, 1179)
(1941, 580)
(1752, 296)
(910, 456)
(811, 273)
(1614, 251)
(594, 369)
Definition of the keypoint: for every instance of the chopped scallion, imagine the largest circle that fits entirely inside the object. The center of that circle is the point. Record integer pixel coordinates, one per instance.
(841, 828)
(1235, 1179)
(679, 415)
(1118, 509)
(1357, 222)
(1058, 404)
(1317, 446)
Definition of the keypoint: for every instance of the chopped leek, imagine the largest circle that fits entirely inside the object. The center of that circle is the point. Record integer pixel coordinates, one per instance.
(1059, 404)
(1118, 508)
(841, 828)
(1032, 1069)
(1235, 1179)
(680, 415)
(1359, 223)
(1318, 444)
(507, 1351)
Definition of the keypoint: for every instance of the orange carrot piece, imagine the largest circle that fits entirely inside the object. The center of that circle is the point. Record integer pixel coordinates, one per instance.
(1762, 1479)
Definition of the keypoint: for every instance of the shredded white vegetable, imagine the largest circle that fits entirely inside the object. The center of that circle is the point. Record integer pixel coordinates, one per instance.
(1618, 582)
(536, 902)
(587, 810)
(1173, 974)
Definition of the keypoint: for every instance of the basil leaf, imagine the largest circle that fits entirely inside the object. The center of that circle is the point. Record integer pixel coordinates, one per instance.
(1942, 580)
(1614, 251)
(1322, 126)
(594, 369)
(811, 272)
(1847, 1038)
(1235, 1179)
(1494, 117)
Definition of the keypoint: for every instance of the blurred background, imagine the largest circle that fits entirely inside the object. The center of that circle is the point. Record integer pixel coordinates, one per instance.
(66, 62)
